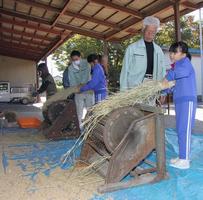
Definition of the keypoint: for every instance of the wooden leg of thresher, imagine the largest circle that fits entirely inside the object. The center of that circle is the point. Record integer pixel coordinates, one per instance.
(110, 187)
(160, 147)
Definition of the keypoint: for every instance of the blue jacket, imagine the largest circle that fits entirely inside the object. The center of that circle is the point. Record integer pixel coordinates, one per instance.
(184, 75)
(97, 82)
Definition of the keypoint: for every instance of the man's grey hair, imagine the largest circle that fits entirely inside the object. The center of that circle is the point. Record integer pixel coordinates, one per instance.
(150, 20)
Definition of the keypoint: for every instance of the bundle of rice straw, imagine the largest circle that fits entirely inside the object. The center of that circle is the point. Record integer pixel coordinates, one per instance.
(144, 93)
(60, 95)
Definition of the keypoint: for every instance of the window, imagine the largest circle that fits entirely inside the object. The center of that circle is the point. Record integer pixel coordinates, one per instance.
(3, 87)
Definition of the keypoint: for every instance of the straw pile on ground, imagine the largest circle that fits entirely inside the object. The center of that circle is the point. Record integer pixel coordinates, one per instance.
(144, 93)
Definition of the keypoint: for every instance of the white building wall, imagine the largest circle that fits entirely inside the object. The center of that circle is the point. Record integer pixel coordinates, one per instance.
(18, 72)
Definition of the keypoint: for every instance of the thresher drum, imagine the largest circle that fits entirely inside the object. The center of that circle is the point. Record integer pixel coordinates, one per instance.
(126, 137)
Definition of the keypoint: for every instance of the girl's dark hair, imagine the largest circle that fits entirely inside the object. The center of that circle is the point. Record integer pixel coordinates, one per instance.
(43, 68)
(92, 58)
(75, 53)
(182, 47)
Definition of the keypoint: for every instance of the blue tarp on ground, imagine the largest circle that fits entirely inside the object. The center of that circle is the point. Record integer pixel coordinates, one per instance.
(182, 184)
(36, 157)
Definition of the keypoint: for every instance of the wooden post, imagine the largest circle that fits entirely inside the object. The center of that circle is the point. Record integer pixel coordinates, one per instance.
(106, 57)
(177, 33)
(45, 60)
(37, 84)
(177, 20)
(160, 146)
(105, 48)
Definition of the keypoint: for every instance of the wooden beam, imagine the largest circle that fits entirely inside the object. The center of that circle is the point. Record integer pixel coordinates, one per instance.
(159, 8)
(24, 16)
(200, 5)
(19, 51)
(31, 26)
(133, 21)
(54, 46)
(81, 31)
(171, 17)
(177, 21)
(91, 19)
(7, 52)
(74, 29)
(124, 27)
(39, 5)
(22, 40)
(26, 48)
(65, 7)
(117, 7)
(36, 36)
(68, 13)
(189, 5)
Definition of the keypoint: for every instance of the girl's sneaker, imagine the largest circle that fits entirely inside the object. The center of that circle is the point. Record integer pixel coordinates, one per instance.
(181, 164)
(174, 160)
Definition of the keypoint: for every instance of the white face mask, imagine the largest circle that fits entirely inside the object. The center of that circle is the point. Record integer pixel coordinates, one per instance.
(77, 62)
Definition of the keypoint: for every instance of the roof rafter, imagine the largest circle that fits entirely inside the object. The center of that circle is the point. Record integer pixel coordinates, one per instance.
(88, 18)
(65, 7)
(183, 12)
(80, 30)
(24, 16)
(36, 36)
(39, 5)
(117, 7)
(31, 26)
(22, 40)
(189, 5)
(18, 54)
(53, 47)
(22, 47)
(68, 13)
(134, 20)
(59, 25)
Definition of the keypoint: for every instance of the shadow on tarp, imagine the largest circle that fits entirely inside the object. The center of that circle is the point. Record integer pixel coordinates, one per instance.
(182, 184)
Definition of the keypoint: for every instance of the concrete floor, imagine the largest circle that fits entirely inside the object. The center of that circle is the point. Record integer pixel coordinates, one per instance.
(35, 110)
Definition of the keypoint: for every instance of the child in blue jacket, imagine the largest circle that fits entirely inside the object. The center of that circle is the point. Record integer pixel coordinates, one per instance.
(185, 100)
(98, 80)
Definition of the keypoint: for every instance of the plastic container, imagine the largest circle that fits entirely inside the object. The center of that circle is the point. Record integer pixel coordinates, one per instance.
(29, 122)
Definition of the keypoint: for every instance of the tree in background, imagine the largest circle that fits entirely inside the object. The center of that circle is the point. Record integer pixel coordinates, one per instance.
(87, 45)
(189, 32)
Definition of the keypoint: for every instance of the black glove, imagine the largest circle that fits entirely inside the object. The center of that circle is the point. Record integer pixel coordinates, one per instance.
(34, 94)
(71, 96)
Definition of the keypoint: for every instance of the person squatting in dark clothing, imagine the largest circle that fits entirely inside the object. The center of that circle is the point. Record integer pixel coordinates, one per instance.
(48, 84)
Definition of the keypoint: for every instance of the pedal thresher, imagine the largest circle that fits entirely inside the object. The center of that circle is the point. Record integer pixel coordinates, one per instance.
(128, 135)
